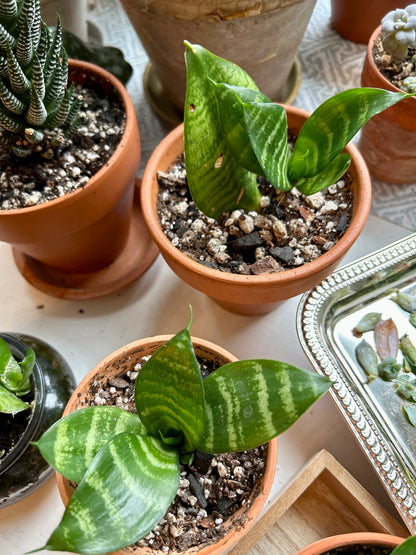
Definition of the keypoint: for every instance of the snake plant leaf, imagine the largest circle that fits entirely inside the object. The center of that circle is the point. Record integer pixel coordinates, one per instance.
(334, 171)
(169, 395)
(71, 444)
(250, 402)
(267, 128)
(126, 491)
(332, 125)
(230, 108)
(217, 182)
(9, 403)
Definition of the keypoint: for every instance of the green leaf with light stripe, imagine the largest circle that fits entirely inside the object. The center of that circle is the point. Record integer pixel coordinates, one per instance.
(216, 180)
(331, 174)
(71, 444)
(267, 128)
(168, 393)
(333, 124)
(128, 488)
(9, 403)
(250, 402)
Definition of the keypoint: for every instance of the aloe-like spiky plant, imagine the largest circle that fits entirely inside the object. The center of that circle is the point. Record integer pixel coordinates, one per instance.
(33, 76)
(127, 465)
(233, 133)
(14, 379)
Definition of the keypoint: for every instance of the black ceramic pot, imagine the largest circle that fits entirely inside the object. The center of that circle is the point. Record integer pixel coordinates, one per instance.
(23, 469)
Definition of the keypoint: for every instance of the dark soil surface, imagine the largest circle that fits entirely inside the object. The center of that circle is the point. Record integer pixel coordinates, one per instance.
(60, 164)
(291, 229)
(396, 73)
(360, 550)
(211, 489)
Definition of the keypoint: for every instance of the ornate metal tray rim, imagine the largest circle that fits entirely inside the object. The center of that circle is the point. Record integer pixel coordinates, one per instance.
(367, 431)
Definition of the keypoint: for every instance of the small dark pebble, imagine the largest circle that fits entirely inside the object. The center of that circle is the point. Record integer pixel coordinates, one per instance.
(285, 254)
(250, 241)
(196, 489)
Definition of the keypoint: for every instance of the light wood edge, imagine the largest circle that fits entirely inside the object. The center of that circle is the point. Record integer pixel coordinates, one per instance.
(319, 463)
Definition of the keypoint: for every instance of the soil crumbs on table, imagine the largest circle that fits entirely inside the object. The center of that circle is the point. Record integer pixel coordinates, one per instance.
(395, 72)
(212, 489)
(62, 163)
(360, 550)
(290, 230)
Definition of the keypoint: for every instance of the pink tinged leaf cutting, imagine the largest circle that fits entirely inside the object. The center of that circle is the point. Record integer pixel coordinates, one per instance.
(386, 338)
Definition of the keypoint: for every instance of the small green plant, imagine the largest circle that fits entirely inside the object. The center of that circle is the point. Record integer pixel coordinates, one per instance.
(409, 84)
(233, 133)
(14, 379)
(33, 76)
(398, 29)
(127, 465)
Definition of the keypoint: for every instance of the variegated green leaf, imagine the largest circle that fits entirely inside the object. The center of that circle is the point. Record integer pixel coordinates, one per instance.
(250, 402)
(230, 108)
(267, 128)
(332, 125)
(216, 180)
(24, 49)
(10, 101)
(71, 444)
(6, 39)
(168, 393)
(123, 495)
(9, 403)
(18, 80)
(329, 175)
(37, 113)
(9, 123)
(10, 372)
(8, 9)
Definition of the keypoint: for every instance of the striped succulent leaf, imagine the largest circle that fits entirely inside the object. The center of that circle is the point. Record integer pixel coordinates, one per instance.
(33, 75)
(71, 444)
(126, 490)
(329, 175)
(174, 410)
(332, 125)
(216, 180)
(249, 402)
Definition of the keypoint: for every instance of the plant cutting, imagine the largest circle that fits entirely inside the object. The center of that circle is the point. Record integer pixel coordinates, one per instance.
(362, 543)
(69, 159)
(387, 140)
(35, 385)
(130, 463)
(232, 135)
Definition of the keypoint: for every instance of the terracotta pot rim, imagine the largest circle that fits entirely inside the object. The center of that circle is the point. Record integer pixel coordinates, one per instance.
(234, 534)
(356, 225)
(92, 182)
(339, 540)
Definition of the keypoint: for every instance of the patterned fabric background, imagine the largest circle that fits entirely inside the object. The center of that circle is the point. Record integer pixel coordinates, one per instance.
(330, 64)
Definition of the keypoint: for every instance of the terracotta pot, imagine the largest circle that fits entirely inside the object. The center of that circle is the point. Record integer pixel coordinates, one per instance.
(117, 363)
(360, 538)
(84, 230)
(355, 20)
(388, 140)
(241, 293)
(231, 29)
(23, 469)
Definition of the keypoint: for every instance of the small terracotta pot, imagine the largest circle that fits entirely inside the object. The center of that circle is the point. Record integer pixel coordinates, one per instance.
(388, 140)
(360, 538)
(355, 20)
(241, 293)
(117, 363)
(85, 230)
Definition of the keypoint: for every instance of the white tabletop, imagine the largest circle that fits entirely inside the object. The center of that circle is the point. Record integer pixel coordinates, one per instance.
(84, 332)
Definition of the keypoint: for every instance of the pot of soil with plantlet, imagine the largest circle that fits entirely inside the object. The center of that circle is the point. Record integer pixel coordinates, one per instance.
(191, 469)
(69, 160)
(269, 223)
(35, 385)
(388, 140)
(362, 543)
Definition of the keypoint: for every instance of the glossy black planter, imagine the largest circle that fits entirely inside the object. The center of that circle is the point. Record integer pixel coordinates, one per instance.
(23, 469)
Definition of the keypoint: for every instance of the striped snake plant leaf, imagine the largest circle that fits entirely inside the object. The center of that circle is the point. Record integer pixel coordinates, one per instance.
(217, 182)
(169, 395)
(267, 128)
(332, 125)
(331, 174)
(9, 403)
(249, 402)
(230, 108)
(125, 492)
(70, 445)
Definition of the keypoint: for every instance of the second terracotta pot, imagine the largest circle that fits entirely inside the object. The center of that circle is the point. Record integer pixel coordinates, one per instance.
(116, 364)
(357, 538)
(241, 293)
(388, 140)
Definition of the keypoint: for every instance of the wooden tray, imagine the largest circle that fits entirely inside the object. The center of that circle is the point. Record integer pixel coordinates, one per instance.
(322, 500)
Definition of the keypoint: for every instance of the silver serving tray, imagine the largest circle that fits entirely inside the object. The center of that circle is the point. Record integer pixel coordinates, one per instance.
(325, 318)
